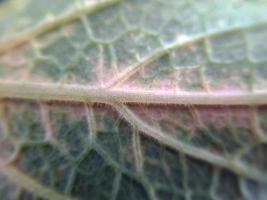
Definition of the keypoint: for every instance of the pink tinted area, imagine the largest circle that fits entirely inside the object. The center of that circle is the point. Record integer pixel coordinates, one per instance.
(193, 117)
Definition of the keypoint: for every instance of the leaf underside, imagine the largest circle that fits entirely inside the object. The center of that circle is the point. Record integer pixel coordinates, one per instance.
(72, 145)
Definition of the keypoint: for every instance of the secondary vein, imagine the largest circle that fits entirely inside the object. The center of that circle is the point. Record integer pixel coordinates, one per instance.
(49, 24)
(199, 153)
(28, 183)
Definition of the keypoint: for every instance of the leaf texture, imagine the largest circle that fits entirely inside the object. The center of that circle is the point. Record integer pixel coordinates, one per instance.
(133, 99)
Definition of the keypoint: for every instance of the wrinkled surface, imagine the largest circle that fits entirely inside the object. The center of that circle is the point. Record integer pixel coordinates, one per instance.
(66, 150)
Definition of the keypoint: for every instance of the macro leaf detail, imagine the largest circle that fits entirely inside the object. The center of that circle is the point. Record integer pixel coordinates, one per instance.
(133, 99)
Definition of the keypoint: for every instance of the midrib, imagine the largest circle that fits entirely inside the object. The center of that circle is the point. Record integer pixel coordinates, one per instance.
(79, 93)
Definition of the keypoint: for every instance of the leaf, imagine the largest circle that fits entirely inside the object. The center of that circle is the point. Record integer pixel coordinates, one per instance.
(131, 99)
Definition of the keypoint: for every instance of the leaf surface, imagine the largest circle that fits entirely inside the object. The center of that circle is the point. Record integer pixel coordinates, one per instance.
(133, 99)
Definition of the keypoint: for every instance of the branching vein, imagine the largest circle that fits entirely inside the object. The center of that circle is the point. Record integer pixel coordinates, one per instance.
(31, 185)
(47, 25)
(215, 159)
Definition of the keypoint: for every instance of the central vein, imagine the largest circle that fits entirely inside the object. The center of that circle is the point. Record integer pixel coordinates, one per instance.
(78, 93)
